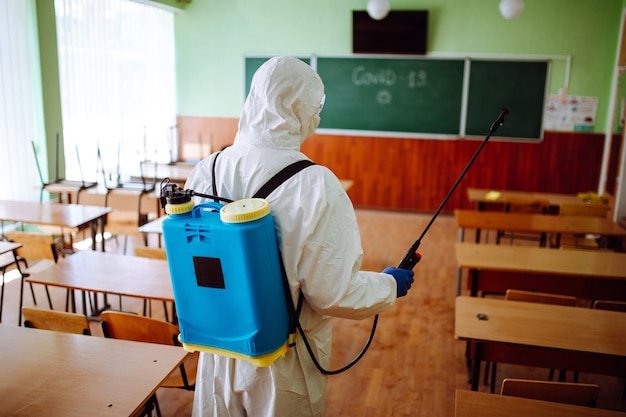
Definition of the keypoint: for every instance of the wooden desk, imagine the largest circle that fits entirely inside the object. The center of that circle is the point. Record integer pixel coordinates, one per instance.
(46, 373)
(109, 273)
(478, 196)
(536, 223)
(176, 172)
(67, 188)
(155, 226)
(569, 330)
(55, 214)
(481, 404)
(581, 273)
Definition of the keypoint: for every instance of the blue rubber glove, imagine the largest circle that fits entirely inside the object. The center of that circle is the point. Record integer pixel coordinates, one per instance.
(403, 277)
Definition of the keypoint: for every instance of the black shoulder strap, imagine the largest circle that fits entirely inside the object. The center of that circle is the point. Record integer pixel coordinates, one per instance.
(282, 176)
(267, 188)
(213, 182)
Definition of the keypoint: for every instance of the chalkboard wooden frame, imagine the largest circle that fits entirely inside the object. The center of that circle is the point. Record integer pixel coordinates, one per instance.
(461, 99)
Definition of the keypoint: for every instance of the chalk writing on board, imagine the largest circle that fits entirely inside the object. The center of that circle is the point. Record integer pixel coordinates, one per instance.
(361, 77)
(388, 77)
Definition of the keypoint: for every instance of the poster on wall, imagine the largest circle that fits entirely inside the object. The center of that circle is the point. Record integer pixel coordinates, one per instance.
(570, 113)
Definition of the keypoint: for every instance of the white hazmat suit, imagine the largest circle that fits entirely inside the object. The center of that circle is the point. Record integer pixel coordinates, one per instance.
(318, 236)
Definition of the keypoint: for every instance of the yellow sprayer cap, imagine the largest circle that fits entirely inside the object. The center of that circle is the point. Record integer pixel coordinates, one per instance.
(247, 210)
(180, 208)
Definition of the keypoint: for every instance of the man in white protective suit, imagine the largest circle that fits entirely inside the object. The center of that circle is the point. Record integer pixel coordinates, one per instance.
(318, 237)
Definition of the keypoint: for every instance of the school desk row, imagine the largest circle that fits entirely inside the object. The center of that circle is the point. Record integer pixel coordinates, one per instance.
(504, 322)
(587, 274)
(71, 216)
(538, 224)
(149, 278)
(480, 404)
(542, 335)
(482, 198)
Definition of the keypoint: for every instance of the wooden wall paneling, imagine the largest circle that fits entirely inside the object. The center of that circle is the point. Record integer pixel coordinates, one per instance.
(614, 163)
(415, 174)
(216, 131)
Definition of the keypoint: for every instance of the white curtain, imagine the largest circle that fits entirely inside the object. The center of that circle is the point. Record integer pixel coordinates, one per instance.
(116, 69)
(21, 114)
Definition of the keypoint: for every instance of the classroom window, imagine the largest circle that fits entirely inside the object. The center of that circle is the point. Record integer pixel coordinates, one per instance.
(21, 108)
(117, 80)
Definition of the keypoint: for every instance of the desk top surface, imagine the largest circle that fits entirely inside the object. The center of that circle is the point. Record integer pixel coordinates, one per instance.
(481, 404)
(526, 222)
(542, 325)
(154, 226)
(8, 246)
(478, 195)
(571, 262)
(46, 373)
(131, 276)
(54, 214)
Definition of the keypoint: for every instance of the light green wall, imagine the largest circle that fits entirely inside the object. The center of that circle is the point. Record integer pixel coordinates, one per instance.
(50, 79)
(212, 37)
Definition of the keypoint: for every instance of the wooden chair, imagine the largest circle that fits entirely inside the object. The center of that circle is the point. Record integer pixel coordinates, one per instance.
(589, 210)
(153, 253)
(147, 252)
(124, 220)
(59, 321)
(38, 252)
(524, 205)
(532, 297)
(561, 392)
(540, 297)
(127, 326)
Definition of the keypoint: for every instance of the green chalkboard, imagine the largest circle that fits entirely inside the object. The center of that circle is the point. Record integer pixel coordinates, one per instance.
(429, 97)
(392, 94)
(518, 85)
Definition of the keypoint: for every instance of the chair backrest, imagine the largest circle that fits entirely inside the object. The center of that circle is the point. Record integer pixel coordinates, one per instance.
(35, 245)
(561, 392)
(147, 252)
(589, 210)
(540, 297)
(128, 326)
(610, 305)
(59, 321)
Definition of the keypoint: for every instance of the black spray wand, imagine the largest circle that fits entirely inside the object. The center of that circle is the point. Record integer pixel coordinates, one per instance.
(412, 257)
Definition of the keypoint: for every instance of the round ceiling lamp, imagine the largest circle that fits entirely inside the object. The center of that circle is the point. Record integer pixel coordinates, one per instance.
(378, 9)
(510, 9)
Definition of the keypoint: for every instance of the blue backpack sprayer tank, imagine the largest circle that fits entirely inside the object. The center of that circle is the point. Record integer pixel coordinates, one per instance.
(227, 275)
(225, 271)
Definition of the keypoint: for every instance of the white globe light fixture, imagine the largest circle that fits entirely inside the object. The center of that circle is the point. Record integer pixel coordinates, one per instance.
(378, 9)
(510, 9)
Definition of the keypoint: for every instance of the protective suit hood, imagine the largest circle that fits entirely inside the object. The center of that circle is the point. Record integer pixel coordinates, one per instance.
(282, 108)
